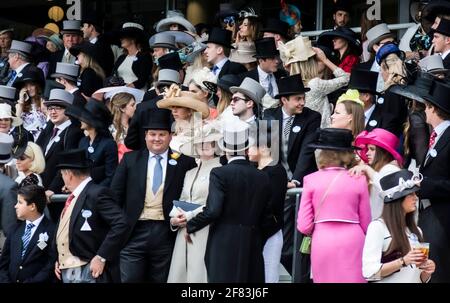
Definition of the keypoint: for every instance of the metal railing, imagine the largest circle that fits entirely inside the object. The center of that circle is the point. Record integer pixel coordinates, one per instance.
(358, 29)
(295, 277)
(59, 198)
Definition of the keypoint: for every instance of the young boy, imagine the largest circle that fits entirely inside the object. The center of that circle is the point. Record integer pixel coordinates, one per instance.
(27, 256)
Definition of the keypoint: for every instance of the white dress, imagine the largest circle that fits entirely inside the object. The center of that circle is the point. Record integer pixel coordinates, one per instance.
(316, 99)
(377, 241)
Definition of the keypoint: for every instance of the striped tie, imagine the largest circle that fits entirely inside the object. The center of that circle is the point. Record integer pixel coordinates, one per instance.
(26, 238)
(287, 127)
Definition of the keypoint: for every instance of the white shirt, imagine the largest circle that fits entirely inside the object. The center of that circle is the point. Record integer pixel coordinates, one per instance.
(264, 81)
(220, 65)
(94, 40)
(73, 90)
(444, 55)
(440, 129)
(368, 113)
(36, 224)
(380, 82)
(285, 117)
(236, 158)
(61, 128)
(251, 119)
(152, 163)
(79, 189)
(20, 68)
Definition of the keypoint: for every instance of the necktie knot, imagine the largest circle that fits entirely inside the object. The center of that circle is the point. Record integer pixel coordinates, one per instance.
(215, 69)
(55, 132)
(12, 77)
(66, 205)
(432, 139)
(30, 226)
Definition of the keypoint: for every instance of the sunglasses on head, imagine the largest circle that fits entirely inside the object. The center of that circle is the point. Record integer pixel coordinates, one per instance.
(230, 21)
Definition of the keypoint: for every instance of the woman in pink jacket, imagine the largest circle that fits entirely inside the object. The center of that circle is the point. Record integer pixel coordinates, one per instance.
(335, 211)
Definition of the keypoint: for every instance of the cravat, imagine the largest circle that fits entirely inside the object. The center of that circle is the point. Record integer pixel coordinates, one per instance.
(287, 127)
(12, 78)
(157, 174)
(26, 238)
(68, 58)
(68, 201)
(270, 87)
(432, 139)
(54, 133)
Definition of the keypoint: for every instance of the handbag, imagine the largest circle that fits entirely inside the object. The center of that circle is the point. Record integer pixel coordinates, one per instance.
(305, 246)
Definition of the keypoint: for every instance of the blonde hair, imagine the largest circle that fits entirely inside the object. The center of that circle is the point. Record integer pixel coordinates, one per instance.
(225, 100)
(307, 69)
(330, 158)
(357, 112)
(396, 69)
(119, 102)
(91, 63)
(34, 152)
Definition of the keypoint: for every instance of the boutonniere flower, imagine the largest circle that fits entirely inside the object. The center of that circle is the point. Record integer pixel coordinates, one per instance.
(175, 155)
(42, 242)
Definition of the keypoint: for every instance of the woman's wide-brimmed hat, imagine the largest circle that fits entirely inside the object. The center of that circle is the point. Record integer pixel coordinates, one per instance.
(203, 75)
(176, 97)
(339, 139)
(386, 50)
(381, 138)
(135, 31)
(174, 17)
(417, 89)
(87, 48)
(95, 113)
(296, 50)
(244, 52)
(433, 64)
(208, 133)
(399, 184)
(350, 36)
(6, 113)
(225, 83)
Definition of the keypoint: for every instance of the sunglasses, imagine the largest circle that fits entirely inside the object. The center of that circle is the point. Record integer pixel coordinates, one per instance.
(230, 21)
(236, 99)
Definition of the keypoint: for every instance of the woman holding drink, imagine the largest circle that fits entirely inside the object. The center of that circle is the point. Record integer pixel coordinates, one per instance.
(392, 252)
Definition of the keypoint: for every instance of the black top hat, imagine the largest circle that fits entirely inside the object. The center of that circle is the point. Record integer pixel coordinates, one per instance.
(276, 26)
(226, 10)
(341, 5)
(73, 159)
(158, 119)
(225, 82)
(438, 95)
(86, 47)
(91, 17)
(30, 75)
(292, 85)
(266, 48)
(443, 27)
(346, 33)
(398, 185)
(435, 8)
(334, 139)
(94, 113)
(220, 36)
(170, 61)
(364, 81)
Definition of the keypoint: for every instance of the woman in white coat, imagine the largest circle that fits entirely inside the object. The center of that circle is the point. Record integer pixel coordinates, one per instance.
(188, 265)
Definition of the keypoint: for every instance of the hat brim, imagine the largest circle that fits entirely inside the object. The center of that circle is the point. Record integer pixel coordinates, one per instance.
(243, 147)
(187, 102)
(70, 31)
(156, 126)
(327, 40)
(3, 161)
(15, 121)
(221, 43)
(67, 77)
(275, 31)
(377, 40)
(189, 149)
(285, 94)
(212, 87)
(164, 45)
(433, 101)
(331, 147)
(366, 141)
(401, 194)
(164, 24)
(73, 166)
(409, 92)
(57, 103)
(28, 55)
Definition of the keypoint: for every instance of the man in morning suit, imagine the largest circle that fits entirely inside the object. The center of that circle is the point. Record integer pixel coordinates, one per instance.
(145, 183)
(434, 208)
(441, 41)
(239, 213)
(19, 58)
(92, 228)
(217, 52)
(298, 126)
(27, 256)
(58, 135)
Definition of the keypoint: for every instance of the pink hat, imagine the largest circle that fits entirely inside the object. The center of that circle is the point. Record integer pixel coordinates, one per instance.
(381, 138)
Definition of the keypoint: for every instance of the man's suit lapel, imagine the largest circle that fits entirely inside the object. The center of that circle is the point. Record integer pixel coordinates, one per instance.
(40, 229)
(375, 116)
(16, 243)
(142, 172)
(79, 203)
(170, 172)
(443, 141)
(298, 122)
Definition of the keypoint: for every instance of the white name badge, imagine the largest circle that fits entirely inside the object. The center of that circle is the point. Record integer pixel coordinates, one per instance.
(296, 129)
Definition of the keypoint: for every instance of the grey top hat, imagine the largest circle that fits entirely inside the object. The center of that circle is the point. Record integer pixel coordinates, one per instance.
(7, 30)
(433, 64)
(6, 143)
(71, 27)
(251, 89)
(7, 92)
(376, 34)
(59, 97)
(67, 71)
(168, 76)
(164, 40)
(236, 137)
(21, 47)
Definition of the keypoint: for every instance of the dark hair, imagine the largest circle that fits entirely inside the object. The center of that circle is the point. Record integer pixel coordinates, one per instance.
(34, 194)
(439, 112)
(80, 172)
(382, 157)
(396, 222)
(226, 51)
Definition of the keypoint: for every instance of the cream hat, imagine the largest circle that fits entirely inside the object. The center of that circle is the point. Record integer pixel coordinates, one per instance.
(176, 97)
(244, 52)
(5, 112)
(296, 50)
(204, 74)
(208, 133)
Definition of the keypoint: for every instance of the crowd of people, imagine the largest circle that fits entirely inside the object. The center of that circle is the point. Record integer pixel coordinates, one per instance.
(176, 150)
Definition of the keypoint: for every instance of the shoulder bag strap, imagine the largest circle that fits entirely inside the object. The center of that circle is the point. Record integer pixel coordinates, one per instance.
(325, 195)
